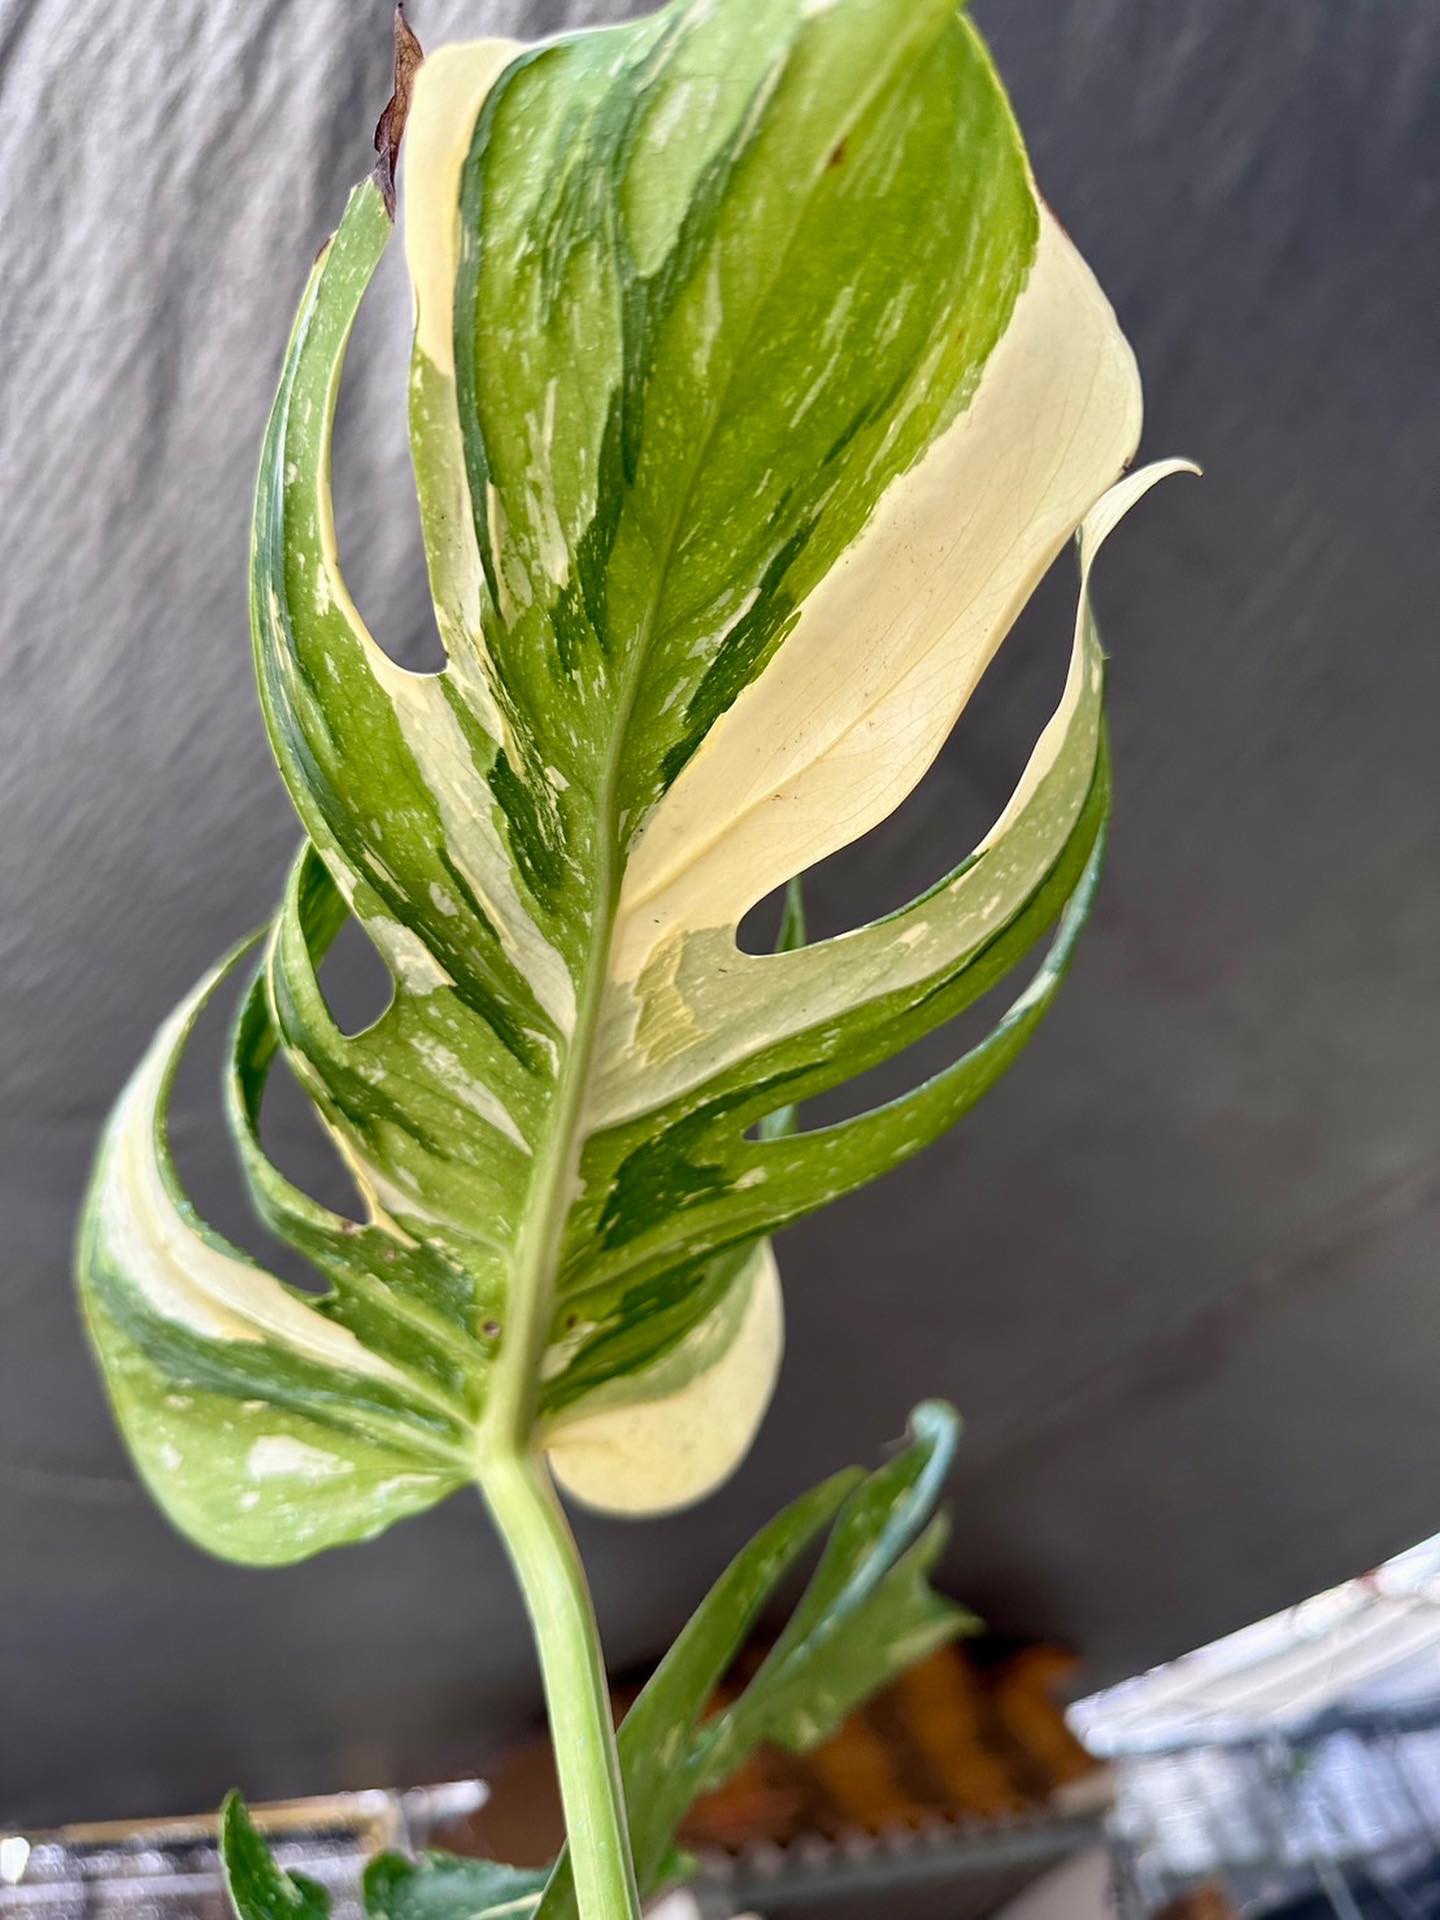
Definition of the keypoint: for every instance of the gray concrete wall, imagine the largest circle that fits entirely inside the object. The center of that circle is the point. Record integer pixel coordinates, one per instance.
(1180, 1271)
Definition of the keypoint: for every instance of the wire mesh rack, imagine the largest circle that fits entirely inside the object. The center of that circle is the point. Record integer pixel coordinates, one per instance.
(1338, 1818)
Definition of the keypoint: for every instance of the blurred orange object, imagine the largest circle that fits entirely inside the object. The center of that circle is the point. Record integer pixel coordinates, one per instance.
(975, 1734)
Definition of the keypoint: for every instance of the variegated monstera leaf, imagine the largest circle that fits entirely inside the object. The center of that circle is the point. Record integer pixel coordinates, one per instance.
(753, 391)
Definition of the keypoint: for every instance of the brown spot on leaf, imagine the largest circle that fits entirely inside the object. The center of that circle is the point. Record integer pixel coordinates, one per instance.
(390, 127)
(837, 154)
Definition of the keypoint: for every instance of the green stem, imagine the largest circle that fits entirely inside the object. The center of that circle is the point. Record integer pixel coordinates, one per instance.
(547, 1564)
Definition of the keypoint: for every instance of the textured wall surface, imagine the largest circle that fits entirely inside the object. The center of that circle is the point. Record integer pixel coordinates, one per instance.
(1180, 1270)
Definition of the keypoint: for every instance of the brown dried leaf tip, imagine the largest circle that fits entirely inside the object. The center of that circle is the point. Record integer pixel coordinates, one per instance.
(390, 127)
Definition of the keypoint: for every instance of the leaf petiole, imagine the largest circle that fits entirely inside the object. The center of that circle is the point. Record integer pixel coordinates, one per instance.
(542, 1550)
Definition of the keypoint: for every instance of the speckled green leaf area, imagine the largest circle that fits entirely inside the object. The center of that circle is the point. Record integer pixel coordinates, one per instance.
(753, 391)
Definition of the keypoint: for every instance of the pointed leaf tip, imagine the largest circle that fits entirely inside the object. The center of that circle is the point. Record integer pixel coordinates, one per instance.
(937, 1422)
(259, 1888)
(390, 127)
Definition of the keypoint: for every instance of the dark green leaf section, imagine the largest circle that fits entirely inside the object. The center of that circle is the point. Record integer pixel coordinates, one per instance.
(865, 1616)
(793, 1177)
(258, 1888)
(642, 1323)
(691, 1177)
(329, 696)
(395, 1295)
(340, 1248)
(453, 1186)
(437, 1886)
(724, 274)
(443, 1886)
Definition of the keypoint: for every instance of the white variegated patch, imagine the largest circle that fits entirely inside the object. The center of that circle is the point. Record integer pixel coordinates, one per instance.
(181, 1273)
(890, 646)
(666, 1438)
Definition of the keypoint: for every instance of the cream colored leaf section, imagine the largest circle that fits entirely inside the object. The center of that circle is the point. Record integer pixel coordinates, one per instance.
(703, 1004)
(887, 650)
(472, 839)
(180, 1274)
(1095, 529)
(450, 90)
(658, 1454)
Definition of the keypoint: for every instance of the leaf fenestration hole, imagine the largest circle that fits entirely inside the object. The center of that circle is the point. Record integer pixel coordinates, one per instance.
(960, 796)
(295, 1140)
(205, 1157)
(377, 520)
(356, 982)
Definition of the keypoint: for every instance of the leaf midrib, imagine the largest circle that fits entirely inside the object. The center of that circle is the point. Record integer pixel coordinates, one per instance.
(510, 1413)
